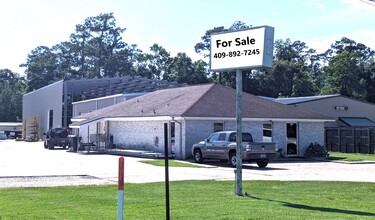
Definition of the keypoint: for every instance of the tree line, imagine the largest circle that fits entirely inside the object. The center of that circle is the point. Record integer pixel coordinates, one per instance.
(96, 49)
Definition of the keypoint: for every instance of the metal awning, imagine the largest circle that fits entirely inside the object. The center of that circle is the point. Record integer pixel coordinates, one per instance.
(357, 122)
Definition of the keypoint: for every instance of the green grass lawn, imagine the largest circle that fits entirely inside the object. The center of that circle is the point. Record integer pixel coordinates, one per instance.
(171, 163)
(351, 157)
(195, 200)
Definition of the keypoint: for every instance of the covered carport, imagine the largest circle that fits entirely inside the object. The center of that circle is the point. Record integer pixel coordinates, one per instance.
(11, 129)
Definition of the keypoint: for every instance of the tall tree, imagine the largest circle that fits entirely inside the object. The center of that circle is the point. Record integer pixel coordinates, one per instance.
(370, 81)
(41, 68)
(343, 76)
(349, 70)
(95, 49)
(12, 88)
(155, 64)
(99, 48)
(292, 72)
(183, 70)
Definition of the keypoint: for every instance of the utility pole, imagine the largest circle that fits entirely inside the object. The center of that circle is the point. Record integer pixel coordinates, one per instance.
(239, 133)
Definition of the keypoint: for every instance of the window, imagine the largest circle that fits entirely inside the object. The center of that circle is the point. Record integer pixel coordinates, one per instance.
(173, 133)
(213, 138)
(291, 130)
(173, 129)
(222, 137)
(246, 137)
(50, 120)
(218, 127)
(267, 132)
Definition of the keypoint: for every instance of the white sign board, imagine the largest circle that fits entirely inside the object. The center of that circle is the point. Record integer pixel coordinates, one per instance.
(242, 49)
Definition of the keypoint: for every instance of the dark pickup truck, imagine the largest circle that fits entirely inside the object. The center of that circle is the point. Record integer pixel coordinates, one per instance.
(57, 137)
(222, 146)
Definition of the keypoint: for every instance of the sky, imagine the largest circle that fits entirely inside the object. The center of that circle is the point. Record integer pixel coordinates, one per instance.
(177, 25)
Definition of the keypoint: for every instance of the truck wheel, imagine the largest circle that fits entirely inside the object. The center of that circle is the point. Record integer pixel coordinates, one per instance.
(198, 156)
(233, 159)
(262, 163)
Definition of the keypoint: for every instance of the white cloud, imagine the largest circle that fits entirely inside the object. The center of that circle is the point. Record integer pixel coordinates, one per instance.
(314, 4)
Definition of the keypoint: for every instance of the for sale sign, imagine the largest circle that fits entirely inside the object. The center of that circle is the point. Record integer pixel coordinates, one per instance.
(242, 49)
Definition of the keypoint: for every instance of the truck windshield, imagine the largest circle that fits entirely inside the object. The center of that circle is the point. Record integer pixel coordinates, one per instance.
(246, 137)
(58, 133)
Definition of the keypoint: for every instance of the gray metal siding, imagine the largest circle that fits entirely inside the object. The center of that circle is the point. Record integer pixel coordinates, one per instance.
(39, 102)
(95, 104)
(327, 107)
(85, 107)
(106, 102)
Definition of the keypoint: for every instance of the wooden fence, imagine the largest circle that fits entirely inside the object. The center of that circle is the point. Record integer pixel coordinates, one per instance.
(350, 140)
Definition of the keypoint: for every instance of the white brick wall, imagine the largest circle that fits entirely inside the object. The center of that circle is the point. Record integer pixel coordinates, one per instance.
(310, 133)
(85, 131)
(194, 132)
(149, 135)
(279, 135)
(138, 135)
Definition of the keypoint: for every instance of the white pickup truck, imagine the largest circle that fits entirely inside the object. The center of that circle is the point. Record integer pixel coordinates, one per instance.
(222, 146)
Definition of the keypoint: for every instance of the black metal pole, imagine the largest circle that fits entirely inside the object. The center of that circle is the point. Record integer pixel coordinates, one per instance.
(166, 171)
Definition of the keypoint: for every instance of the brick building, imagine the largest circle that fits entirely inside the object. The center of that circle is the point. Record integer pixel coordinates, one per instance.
(194, 112)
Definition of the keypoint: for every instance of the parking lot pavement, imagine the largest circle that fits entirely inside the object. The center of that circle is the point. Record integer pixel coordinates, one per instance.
(29, 164)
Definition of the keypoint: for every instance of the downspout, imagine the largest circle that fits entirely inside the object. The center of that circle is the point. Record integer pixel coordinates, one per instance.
(180, 141)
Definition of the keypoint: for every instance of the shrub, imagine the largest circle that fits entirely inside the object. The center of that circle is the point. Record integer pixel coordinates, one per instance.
(316, 150)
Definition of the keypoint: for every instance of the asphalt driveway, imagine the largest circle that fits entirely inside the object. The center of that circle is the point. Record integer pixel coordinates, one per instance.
(29, 164)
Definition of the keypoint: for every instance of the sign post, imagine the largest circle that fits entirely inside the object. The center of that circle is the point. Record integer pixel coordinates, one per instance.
(166, 166)
(120, 203)
(239, 133)
(243, 49)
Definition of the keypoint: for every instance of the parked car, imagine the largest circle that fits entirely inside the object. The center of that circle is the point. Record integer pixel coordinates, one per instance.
(57, 137)
(3, 136)
(222, 146)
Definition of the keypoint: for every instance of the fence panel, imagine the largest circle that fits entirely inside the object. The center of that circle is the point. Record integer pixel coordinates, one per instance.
(350, 140)
(372, 140)
(332, 139)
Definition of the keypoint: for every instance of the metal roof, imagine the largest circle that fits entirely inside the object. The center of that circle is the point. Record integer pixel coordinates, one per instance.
(296, 100)
(100, 87)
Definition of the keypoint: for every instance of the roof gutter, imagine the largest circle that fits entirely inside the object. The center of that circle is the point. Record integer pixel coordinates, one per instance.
(260, 119)
(175, 119)
(131, 119)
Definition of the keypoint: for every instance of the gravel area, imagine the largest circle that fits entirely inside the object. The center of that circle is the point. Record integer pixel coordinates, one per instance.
(50, 181)
(28, 164)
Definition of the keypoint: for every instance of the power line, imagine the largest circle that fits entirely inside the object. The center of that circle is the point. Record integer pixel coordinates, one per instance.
(368, 2)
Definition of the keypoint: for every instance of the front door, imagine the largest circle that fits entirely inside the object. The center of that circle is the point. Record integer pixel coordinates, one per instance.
(292, 139)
